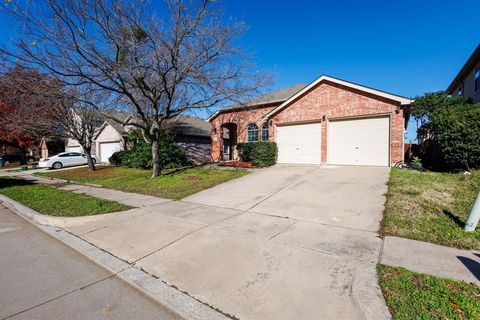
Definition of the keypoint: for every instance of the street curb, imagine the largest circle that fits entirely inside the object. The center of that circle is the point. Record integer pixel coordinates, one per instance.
(177, 302)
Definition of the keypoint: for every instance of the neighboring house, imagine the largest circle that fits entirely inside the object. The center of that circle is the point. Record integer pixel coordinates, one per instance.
(192, 134)
(328, 121)
(467, 81)
(72, 145)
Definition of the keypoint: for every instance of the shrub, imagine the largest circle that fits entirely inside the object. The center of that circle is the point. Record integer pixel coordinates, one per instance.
(140, 153)
(457, 131)
(449, 132)
(116, 158)
(261, 154)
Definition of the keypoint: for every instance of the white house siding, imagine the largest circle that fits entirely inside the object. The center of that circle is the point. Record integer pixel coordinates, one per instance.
(108, 134)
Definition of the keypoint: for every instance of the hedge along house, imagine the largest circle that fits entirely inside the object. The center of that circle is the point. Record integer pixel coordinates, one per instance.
(329, 121)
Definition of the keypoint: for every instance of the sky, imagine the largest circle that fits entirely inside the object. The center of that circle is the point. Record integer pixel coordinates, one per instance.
(406, 47)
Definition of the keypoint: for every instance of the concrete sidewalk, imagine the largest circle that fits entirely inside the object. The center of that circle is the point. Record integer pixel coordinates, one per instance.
(432, 259)
(127, 198)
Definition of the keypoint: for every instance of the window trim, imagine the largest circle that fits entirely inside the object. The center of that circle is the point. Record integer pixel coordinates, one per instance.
(265, 128)
(476, 78)
(460, 90)
(252, 127)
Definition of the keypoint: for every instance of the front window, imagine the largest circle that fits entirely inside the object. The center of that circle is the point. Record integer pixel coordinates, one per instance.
(252, 132)
(265, 132)
(477, 79)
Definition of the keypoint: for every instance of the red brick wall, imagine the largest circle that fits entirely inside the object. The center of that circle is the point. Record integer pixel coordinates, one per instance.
(336, 101)
(242, 119)
(329, 99)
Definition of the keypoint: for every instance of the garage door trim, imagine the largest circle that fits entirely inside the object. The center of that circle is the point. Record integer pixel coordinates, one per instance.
(361, 117)
(107, 142)
(299, 123)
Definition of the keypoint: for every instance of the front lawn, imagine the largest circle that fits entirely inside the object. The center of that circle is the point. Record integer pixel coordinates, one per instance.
(411, 295)
(176, 185)
(55, 202)
(431, 207)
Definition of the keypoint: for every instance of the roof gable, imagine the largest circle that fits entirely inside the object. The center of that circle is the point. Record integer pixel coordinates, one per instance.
(278, 96)
(399, 99)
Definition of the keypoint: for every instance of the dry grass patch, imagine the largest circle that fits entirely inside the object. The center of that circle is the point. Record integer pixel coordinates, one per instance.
(431, 207)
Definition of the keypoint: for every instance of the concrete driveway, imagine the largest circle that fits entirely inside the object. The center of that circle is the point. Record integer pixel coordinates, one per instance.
(345, 196)
(289, 242)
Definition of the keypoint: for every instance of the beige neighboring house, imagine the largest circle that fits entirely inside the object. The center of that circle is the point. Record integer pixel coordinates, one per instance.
(467, 81)
(109, 137)
(192, 134)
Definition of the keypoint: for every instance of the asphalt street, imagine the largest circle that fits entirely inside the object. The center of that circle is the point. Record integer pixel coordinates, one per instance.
(41, 278)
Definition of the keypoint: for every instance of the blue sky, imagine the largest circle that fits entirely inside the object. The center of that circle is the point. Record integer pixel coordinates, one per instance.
(405, 47)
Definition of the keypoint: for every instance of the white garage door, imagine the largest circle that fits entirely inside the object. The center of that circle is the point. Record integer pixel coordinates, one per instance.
(299, 143)
(359, 142)
(109, 148)
(74, 149)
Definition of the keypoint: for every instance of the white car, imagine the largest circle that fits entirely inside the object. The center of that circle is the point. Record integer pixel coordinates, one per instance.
(64, 159)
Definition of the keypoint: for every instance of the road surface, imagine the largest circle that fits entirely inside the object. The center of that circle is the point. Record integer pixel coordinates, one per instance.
(41, 278)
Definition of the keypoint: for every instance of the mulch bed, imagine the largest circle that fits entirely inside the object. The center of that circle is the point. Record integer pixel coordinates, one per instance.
(237, 164)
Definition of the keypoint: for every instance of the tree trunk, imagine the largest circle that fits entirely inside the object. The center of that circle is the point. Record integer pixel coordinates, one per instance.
(157, 169)
(88, 153)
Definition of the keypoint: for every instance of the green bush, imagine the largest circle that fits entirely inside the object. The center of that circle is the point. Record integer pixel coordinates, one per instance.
(261, 154)
(457, 131)
(117, 158)
(140, 153)
(450, 126)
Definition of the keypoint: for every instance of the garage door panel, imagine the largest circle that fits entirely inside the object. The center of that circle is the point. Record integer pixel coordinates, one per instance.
(109, 148)
(299, 143)
(359, 142)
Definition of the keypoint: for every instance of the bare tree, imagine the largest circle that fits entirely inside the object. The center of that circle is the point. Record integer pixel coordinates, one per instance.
(157, 68)
(78, 118)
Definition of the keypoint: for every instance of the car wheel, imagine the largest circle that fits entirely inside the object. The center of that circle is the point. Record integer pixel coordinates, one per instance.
(57, 165)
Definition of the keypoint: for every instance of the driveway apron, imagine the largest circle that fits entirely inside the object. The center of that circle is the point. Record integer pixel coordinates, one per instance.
(281, 243)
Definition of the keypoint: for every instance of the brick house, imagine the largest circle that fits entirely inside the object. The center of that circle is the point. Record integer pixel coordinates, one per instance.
(329, 121)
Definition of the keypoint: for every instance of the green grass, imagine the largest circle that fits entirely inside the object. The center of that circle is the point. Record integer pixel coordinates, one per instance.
(55, 202)
(411, 295)
(431, 207)
(175, 185)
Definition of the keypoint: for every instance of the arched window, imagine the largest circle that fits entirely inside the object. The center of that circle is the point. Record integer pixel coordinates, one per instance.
(265, 131)
(252, 132)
